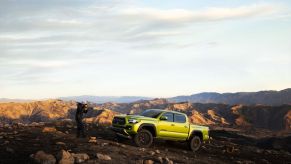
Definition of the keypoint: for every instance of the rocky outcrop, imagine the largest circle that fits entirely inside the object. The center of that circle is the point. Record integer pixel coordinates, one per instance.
(138, 107)
(49, 130)
(198, 118)
(80, 157)
(64, 157)
(43, 158)
(104, 117)
(36, 111)
(184, 106)
(51, 110)
(103, 157)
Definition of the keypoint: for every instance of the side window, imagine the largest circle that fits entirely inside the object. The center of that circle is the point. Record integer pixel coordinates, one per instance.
(170, 117)
(180, 118)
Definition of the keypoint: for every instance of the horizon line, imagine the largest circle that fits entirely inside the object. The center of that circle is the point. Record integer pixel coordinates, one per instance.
(151, 97)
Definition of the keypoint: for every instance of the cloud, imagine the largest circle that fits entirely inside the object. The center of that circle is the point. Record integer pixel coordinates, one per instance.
(41, 64)
(53, 25)
(107, 16)
(53, 29)
(209, 14)
(84, 25)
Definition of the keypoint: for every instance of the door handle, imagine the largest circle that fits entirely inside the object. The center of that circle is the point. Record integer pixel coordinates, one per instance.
(172, 124)
(185, 126)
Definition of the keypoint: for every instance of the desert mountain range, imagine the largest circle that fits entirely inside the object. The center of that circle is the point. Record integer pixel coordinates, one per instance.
(245, 98)
(104, 99)
(273, 98)
(275, 118)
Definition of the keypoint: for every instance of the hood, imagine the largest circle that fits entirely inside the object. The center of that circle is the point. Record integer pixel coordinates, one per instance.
(137, 117)
(140, 117)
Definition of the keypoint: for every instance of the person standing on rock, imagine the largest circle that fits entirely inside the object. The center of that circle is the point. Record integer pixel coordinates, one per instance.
(81, 108)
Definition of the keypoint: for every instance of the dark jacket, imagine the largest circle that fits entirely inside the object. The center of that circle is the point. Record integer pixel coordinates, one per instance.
(79, 112)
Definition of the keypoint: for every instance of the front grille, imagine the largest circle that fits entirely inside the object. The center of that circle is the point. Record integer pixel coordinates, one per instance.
(118, 120)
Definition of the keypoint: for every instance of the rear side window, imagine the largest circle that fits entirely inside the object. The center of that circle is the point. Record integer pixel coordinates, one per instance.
(169, 116)
(180, 118)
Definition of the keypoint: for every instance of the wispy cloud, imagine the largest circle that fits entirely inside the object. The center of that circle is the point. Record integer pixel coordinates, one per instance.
(209, 14)
(79, 24)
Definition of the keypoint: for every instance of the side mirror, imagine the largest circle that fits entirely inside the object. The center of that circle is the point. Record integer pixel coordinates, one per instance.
(163, 118)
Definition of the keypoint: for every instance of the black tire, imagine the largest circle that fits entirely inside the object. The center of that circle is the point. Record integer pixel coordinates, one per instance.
(143, 138)
(195, 143)
(119, 138)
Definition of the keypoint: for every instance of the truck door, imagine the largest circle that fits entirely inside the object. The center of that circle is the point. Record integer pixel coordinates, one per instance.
(166, 127)
(181, 126)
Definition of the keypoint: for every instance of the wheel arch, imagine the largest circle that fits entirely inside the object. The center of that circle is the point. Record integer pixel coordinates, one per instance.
(149, 127)
(196, 133)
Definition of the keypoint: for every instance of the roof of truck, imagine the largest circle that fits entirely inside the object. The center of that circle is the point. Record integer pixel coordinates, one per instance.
(164, 110)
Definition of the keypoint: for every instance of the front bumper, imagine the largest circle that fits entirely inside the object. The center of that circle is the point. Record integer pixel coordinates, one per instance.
(122, 132)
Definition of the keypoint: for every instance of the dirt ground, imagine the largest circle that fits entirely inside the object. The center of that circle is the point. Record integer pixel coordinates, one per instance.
(19, 142)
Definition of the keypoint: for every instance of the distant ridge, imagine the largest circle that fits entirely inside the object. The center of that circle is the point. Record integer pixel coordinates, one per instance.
(246, 98)
(14, 100)
(104, 99)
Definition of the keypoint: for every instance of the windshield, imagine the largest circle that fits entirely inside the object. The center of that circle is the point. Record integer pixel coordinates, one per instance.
(151, 113)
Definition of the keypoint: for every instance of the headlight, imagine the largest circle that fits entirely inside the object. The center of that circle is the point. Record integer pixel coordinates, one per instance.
(132, 121)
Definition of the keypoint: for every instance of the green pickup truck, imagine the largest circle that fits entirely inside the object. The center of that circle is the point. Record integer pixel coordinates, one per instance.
(161, 124)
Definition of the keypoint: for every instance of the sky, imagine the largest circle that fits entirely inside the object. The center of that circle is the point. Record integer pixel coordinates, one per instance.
(155, 48)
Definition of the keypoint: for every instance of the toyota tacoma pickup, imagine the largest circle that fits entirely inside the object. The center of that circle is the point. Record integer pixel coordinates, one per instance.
(160, 124)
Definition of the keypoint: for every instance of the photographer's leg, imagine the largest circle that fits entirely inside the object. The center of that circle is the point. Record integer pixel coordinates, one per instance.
(82, 130)
(78, 129)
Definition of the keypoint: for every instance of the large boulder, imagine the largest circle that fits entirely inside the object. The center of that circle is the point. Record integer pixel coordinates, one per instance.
(43, 158)
(149, 161)
(80, 157)
(103, 157)
(49, 130)
(65, 157)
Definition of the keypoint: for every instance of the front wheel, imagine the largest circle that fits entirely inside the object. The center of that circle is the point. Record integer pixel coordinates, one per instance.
(119, 138)
(195, 143)
(143, 138)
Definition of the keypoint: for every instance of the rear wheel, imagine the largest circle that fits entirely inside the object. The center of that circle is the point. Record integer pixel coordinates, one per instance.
(143, 138)
(195, 143)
